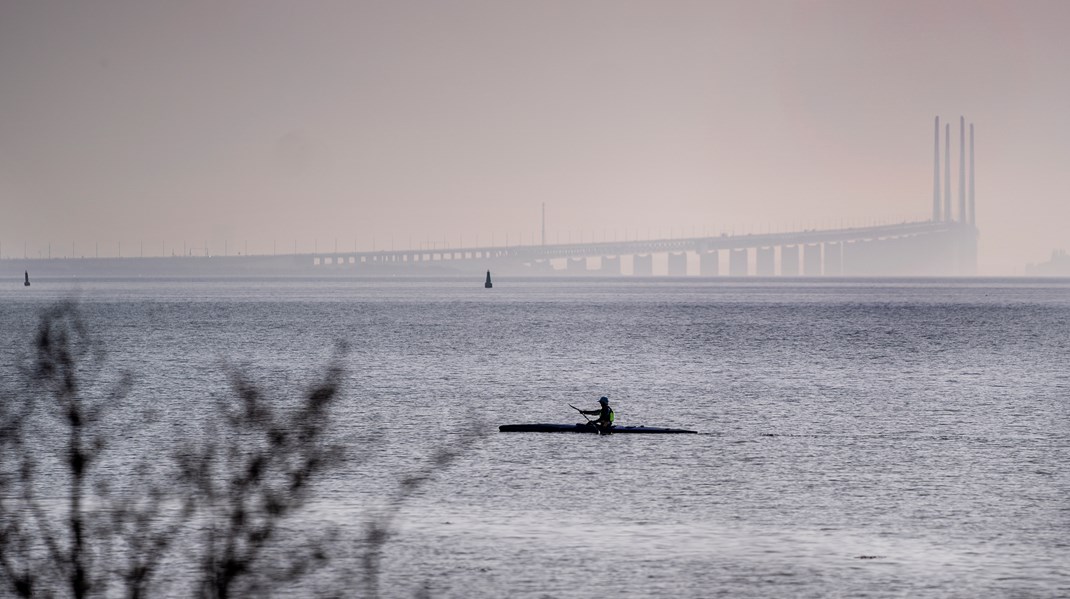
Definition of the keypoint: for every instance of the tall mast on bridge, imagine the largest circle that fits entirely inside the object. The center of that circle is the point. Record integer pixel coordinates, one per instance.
(973, 218)
(936, 171)
(962, 169)
(544, 219)
(947, 171)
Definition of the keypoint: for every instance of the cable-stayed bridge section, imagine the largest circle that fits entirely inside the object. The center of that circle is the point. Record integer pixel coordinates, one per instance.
(946, 244)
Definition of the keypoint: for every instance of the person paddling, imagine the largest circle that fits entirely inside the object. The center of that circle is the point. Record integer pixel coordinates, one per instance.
(605, 416)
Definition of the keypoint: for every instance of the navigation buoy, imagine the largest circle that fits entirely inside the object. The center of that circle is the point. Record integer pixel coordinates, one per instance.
(27, 282)
(486, 285)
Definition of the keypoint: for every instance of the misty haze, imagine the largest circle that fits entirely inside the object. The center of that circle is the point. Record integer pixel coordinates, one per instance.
(264, 129)
(534, 299)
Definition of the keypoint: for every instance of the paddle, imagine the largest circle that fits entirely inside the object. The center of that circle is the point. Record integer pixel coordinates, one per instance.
(580, 411)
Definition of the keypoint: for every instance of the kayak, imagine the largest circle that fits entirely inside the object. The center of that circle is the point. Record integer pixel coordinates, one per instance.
(582, 428)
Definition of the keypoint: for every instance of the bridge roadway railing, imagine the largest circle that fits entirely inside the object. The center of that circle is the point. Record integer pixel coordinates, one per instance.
(924, 248)
(636, 247)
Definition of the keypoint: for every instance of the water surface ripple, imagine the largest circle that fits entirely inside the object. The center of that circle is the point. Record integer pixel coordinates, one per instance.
(859, 438)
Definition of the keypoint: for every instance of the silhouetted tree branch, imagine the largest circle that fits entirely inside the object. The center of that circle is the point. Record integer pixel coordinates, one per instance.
(239, 487)
(261, 472)
(44, 548)
(378, 529)
(68, 529)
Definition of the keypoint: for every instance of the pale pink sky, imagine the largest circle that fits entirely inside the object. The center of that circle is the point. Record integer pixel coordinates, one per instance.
(258, 121)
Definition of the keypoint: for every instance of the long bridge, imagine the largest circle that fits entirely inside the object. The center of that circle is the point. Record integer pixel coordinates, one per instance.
(945, 244)
(926, 248)
(912, 248)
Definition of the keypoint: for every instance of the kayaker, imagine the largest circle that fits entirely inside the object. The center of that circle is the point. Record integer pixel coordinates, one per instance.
(604, 413)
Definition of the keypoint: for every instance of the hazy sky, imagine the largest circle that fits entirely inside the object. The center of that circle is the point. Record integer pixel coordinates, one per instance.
(259, 121)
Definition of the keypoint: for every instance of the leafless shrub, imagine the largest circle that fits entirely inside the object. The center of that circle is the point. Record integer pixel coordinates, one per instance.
(54, 545)
(378, 529)
(66, 531)
(258, 473)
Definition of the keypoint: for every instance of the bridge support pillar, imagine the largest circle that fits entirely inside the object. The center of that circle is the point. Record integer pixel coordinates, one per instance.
(642, 265)
(812, 260)
(833, 259)
(709, 263)
(677, 266)
(737, 263)
(967, 252)
(849, 257)
(789, 261)
(610, 265)
(765, 262)
(542, 267)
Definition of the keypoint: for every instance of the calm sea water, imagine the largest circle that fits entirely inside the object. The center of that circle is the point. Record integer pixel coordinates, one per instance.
(858, 438)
